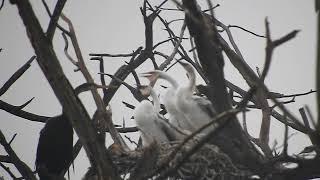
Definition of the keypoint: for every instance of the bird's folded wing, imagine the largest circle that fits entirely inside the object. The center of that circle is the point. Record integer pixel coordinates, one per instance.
(205, 105)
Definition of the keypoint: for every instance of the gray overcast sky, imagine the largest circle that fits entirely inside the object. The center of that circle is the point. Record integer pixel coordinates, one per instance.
(116, 26)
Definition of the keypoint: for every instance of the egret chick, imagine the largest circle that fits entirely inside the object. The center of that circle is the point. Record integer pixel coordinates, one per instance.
(149, 120)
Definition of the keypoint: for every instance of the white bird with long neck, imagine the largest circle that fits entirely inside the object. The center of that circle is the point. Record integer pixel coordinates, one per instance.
(176, 118)
(198, 110)
(148, 120)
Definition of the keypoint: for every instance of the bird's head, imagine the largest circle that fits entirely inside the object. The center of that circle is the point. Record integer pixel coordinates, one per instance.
(145, 90)
(152, 76)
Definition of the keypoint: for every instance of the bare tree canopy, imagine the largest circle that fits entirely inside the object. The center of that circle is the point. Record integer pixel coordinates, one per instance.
(196, 128)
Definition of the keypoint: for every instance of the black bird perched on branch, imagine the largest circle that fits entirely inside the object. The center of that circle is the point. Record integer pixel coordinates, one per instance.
(54, 152)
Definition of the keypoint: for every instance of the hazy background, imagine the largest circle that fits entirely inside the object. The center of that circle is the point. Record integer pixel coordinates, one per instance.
(116, 26)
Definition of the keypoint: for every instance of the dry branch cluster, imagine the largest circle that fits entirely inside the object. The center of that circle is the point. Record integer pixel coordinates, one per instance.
(228, 152)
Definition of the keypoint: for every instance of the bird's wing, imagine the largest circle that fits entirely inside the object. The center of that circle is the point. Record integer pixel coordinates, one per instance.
(205, 105)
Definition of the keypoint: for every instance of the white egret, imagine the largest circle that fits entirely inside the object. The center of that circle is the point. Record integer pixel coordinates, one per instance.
(150, 123)
(198, 110)
(176, 118)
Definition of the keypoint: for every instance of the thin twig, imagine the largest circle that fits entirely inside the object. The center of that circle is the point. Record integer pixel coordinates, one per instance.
(49, 14)
(17, 111)
(285, 143)
(312, 119)
(16, 76)
(13, 137)
(131, 141)
(175, 49)
(277, 95)
(194, 54)
(26, 103)
(54, 19)
(2, 3)
(211, 8)
(109, 55)
(102, 79)
(136, 93)
(175, 20)
(25, 171)
(66, 46)
(169, 39)
(284, 102)
(244, 29)
(130, 106)
(171, 9)
(252, 79)
(304, 117)
(7, 169)
(98, 100)
(88, 87)
(234, 45)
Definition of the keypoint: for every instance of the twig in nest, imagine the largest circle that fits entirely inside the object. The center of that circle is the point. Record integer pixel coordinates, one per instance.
(285, 143)
(215, 122)
(304, 117)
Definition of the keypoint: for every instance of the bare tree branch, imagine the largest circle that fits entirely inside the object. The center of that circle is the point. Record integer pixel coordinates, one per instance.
(50, 15)
(74, 109)
(16, 76)
(244, 29)
(54, 19)
(17, 111)
(5, 159)
(175, 49)
(210, 56)
(21, 166)
(7, 169)
(2, 3)
(98, 100)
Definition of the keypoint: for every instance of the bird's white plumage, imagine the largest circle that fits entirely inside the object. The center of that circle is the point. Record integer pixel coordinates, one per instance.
(176, 118)
(197, 110)
(149, 122)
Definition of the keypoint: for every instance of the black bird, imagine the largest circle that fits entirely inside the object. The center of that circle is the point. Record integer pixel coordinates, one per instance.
(54, 152)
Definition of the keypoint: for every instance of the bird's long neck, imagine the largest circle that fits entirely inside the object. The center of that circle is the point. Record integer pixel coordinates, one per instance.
(156, 103)
(172, 81)
(192, 80)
